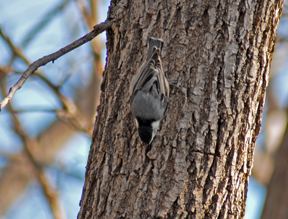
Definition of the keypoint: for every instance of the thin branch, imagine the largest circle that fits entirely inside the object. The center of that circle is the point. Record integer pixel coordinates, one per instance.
(36, 109)
(70, 114)
(52, 57)
(18, 53)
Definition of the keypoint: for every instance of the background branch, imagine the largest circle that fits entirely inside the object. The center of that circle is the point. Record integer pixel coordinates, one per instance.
(52, 57)
(38, 171)
(60, 111)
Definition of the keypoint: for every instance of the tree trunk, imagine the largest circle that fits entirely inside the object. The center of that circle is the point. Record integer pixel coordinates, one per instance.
(276, 203)
(217, 57)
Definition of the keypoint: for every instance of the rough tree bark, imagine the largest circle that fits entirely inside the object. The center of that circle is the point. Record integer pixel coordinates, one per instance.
(217, 55)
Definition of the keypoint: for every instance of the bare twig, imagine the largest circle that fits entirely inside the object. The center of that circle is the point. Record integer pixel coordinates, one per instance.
(70, 114)
(52, 57)
(36, 109)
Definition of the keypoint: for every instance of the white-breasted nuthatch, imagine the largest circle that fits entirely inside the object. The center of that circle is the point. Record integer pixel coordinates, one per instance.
(149, 91)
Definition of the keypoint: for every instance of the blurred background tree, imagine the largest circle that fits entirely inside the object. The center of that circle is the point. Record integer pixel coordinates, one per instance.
(41, 164)
(42, 170)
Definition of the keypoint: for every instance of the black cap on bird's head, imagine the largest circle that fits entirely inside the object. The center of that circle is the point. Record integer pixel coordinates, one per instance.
(146, 134)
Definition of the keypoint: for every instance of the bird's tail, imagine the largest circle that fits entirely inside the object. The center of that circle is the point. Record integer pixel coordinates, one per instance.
(154, 42)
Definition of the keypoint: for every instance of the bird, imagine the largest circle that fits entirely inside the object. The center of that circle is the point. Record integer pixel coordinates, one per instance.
(149, 90)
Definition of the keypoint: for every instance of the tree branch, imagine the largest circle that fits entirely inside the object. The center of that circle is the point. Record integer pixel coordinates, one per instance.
(52, 57)
(70, 114)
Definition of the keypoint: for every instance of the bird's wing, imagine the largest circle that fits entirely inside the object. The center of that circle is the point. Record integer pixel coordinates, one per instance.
(151, 77)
